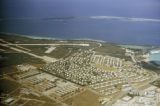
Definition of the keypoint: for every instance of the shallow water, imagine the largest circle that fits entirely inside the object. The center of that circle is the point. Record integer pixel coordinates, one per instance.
(155, 57)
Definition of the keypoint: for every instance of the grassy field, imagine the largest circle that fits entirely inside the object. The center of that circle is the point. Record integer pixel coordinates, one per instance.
(9, 61)
(112, 50)
(58, 52)
(18, 58)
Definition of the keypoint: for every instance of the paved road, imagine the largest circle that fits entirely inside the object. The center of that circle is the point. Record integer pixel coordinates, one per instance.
(49, 44)
(44, 58)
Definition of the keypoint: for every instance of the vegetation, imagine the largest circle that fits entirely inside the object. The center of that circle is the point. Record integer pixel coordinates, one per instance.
(8, 61)
(59, 52)
(156, 83)
(112, 50)
(150, 66)
(7, 86)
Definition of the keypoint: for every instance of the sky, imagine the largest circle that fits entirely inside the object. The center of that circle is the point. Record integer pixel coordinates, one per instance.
(57, 8)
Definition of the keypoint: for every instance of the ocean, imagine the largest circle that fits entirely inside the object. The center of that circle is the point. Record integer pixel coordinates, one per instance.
(120, 30)
(154, 56)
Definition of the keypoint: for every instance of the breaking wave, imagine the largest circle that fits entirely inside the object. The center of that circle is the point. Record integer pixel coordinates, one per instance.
(125, 18)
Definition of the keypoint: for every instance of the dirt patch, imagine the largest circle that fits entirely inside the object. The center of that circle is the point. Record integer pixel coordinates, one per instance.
(87, 98)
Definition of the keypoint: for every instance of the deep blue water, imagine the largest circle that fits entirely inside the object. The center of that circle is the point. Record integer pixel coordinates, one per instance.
(116, 31)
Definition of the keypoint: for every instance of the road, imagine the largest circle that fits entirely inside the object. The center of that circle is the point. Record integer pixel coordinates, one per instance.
(26, 51)
(98, 46)
(44, 58)
(46, 44)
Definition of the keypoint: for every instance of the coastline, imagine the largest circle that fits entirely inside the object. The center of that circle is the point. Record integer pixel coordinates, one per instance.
(50, 38)
(131, 46)
(137, 46)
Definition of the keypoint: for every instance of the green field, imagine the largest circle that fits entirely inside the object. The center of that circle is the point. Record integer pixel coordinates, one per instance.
(112, 50)
(10, 60)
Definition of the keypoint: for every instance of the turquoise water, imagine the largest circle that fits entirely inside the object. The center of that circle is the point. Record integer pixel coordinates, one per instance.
(155, 57)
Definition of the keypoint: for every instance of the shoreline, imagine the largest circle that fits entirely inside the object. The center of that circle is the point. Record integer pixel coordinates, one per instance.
(131, 46)
(51, 38)
(137, 46)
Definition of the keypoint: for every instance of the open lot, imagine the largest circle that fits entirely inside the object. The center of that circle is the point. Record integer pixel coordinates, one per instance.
(7, 86)
(86, 98)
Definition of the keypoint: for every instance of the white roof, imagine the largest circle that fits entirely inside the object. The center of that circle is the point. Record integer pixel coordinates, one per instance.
(9, 100)
(126, 98)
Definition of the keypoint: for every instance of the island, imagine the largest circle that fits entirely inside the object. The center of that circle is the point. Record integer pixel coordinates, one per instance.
(52, 72)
